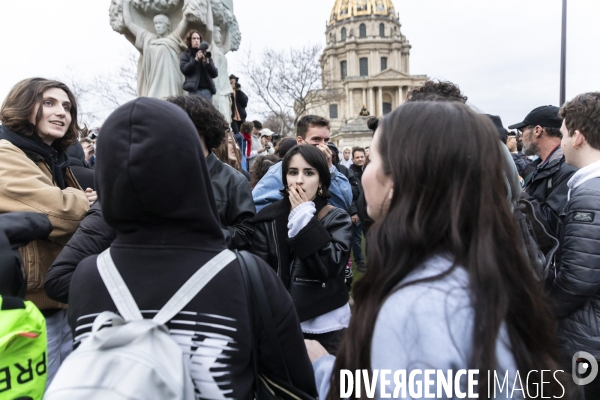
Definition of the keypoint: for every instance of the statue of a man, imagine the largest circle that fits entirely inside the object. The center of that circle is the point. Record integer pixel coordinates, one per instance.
(158, 70)
(221, 99)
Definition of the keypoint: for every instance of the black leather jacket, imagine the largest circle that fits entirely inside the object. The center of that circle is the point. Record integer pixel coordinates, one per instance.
(192, 70)
(314, 277)
(575, 292)
(234, 201)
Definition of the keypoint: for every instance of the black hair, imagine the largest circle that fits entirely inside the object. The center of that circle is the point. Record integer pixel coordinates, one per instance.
(315, 158)
(209, 122)
(257, 125)
(437, 91)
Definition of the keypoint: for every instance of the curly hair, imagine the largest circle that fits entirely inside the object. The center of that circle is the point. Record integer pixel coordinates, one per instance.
(23, 100)
(209, 122)
(583, 114)
(437, 91)
(188, 37)
(260, 168)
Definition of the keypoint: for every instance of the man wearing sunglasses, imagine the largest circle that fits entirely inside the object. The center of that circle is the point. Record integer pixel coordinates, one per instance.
(547, 185)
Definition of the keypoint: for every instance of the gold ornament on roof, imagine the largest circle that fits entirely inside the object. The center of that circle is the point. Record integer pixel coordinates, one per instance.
(344, 9)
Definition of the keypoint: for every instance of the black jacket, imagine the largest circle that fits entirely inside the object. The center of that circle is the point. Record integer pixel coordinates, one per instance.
(17, 229)
(241, 100)
(234, 202)
(358, 171)
(235, 207)
(547, 189)
(521, 162)
(193, 69)
(575, 292)
(318, 255)
(80, 168)
(167, 228)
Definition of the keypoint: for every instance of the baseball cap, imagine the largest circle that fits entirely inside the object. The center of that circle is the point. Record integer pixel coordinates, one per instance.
(545, 116)
(266, 132)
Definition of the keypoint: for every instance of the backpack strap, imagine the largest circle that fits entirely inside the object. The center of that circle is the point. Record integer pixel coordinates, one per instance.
(126, 304)
(117, 288)
(193, 286)
(324, 211)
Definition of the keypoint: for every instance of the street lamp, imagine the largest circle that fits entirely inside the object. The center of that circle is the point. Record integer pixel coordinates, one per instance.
(563, 53)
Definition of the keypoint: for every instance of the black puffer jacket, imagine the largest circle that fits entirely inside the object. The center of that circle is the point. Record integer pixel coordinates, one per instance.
(547, 190)
(575, 292)
(318, 255)
(236, 210)
(193, 70)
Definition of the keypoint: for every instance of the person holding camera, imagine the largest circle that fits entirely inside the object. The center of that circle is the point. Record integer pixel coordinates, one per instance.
(198, 67)
(239, 102)
(265, 140)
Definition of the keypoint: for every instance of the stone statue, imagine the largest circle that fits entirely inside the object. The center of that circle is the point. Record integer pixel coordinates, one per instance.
(158, 67)
(158, 70)
(364, 112)
(221, 100)
(226, 37)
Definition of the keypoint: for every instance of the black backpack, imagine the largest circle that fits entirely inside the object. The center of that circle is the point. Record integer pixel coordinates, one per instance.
(539, 245)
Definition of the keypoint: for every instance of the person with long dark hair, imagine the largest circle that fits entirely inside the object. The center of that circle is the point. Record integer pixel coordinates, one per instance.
(307, 243)
(447, 287)
(39, 123)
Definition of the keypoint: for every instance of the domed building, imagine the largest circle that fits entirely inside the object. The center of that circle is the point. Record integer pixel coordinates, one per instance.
(364, 65)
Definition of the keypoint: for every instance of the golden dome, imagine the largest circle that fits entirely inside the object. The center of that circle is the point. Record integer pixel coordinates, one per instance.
(354, 8)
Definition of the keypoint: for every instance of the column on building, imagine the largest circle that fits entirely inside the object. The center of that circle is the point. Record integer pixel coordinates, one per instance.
(364, 97)
(400, 98)
(348, 113)
(379, 111)
(371, 101)
(351, 101)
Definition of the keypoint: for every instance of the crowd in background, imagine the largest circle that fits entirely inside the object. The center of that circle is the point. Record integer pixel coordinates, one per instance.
(479, 247)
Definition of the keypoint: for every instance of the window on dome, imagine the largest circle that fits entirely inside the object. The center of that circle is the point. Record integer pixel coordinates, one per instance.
(362, 31)
(364, 66)
(343, 34)
(344, 69)
(381, 30)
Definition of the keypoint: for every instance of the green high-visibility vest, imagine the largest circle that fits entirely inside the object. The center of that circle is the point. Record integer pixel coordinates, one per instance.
(23, 358)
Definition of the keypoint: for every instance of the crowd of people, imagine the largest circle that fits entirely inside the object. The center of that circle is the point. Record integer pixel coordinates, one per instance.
(133, 219)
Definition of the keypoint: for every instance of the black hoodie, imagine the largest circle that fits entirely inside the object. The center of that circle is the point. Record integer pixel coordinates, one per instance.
(154, 189)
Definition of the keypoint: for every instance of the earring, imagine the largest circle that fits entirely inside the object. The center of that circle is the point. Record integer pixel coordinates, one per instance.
(320, 192)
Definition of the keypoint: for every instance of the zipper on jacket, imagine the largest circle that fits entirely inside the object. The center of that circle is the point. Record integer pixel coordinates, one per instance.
(310, 281)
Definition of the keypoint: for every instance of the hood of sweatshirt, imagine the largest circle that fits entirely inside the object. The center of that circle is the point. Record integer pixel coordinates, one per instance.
(151, 174)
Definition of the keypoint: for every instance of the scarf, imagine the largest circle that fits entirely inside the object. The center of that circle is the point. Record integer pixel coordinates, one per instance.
(248, 139)
(58, 162)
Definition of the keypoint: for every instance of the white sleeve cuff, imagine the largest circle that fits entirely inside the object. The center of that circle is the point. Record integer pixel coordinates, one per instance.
(299, 217)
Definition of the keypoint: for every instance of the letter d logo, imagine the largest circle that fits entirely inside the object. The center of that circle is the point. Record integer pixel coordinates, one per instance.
(578, 369)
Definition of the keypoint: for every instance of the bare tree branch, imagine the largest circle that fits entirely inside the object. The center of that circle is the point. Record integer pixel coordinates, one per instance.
(288, 82)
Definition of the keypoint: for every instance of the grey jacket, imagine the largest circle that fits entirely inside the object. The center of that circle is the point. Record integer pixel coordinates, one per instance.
(427, 325)
(575, 292)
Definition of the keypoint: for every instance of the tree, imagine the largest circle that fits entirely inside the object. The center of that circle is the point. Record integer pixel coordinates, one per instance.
(288, 82)
(100, 95)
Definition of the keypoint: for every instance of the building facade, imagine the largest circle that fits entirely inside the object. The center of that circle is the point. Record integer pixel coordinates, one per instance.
(365, 64)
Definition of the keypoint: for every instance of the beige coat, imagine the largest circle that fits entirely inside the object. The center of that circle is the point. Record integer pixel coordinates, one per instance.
(26, 185)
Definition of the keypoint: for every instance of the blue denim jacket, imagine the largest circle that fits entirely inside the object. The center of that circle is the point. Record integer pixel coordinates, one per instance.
(267, 190)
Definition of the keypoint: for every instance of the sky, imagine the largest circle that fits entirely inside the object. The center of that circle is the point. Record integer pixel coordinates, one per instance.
(504, 54)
